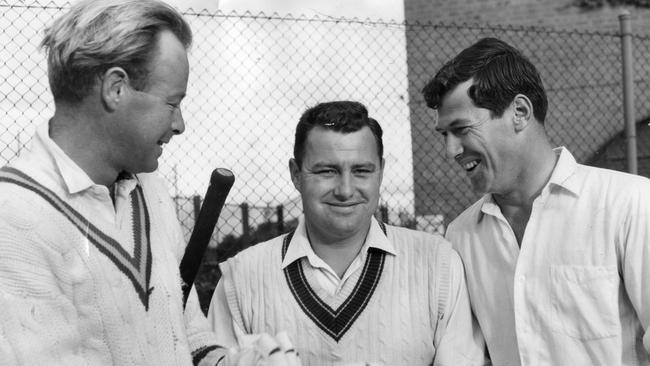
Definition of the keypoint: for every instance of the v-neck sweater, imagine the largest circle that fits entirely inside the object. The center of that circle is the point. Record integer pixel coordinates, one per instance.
(403, 309)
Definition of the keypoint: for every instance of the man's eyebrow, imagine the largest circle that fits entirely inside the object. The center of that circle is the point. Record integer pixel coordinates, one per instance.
(368, 164)
(179, 96)
(322, 164)
(452, 125)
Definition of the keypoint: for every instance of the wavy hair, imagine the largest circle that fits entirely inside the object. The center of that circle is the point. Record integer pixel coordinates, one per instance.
(95, 35)
(339, 116)
(499, 72)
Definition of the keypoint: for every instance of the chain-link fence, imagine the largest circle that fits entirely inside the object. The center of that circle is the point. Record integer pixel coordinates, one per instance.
(582, 73)
(252, 76)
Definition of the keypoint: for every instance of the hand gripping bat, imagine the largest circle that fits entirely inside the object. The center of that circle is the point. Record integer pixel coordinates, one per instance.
(221, 181)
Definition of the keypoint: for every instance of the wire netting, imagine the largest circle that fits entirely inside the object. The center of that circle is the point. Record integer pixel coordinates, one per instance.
(252, 76)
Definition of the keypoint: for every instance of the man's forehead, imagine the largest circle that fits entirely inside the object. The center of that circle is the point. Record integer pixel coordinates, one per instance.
(322, 141)
(455, 106)
(457, 96)
(322, 134)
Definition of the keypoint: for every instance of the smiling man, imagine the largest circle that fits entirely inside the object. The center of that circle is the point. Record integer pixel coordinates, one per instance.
(346, 287)
(556, 253)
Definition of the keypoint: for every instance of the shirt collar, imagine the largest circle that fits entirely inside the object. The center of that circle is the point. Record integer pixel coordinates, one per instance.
(299, 246)
(74, 178)
(563, 176)
(564, 172)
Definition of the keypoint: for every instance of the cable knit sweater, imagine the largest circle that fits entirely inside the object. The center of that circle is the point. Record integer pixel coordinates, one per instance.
(405, 309)
(95, 292)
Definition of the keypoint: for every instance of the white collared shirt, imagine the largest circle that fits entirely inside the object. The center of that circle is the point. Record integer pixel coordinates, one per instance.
(71, 181)
(301, 248)
(577, 292)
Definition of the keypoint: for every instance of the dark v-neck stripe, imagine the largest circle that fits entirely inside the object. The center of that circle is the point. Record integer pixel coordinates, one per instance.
(335, 322)
(137, 267)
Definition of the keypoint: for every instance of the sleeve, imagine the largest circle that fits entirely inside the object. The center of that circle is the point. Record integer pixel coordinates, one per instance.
(221, 320)
(38, 323)
(227, 298)
(459, 340)
(635, 238)
(202, 341)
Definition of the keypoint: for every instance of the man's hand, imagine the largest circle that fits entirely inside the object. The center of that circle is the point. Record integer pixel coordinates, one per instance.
(265, 351)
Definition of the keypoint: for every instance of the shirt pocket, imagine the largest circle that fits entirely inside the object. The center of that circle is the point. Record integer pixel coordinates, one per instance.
(584, 301)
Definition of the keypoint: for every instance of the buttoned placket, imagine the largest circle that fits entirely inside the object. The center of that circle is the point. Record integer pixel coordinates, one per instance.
(123, 210)
(524, 265)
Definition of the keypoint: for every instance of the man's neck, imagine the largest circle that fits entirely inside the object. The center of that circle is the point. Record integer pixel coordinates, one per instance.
(76, 136)
(338, 253)
(531, 179)
(516, 205)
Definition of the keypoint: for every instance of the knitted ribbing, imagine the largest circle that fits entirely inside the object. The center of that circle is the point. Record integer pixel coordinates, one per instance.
(50, 274)
(397, 327)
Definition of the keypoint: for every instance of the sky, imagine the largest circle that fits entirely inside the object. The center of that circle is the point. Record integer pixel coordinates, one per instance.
(362, 9)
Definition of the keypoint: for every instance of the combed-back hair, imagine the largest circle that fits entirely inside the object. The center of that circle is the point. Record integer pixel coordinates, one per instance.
(339, 116)
(95, 35)
(499, 72)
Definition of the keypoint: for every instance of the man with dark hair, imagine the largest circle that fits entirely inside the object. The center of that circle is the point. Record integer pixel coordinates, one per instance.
(556, 253)
(89, 240)
(347, 288)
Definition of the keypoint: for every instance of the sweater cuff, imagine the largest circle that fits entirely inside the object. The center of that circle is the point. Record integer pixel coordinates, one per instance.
(208, 355)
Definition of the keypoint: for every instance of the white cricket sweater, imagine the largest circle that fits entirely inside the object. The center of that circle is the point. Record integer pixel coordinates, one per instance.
(387, 313)
(65, 300)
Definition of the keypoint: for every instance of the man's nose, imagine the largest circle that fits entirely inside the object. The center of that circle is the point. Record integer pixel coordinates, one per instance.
(453, 146)
(344, 187)
(178, 124)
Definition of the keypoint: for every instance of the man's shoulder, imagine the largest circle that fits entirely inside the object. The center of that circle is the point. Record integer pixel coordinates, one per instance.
(20, 205)
(27, 217)
(254, 262)
(261, 251)
(405, 232)
(410, 240)
(617, 182)
(468, 218)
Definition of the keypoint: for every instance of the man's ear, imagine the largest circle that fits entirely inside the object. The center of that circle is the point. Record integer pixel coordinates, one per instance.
(113, 87)
(294, 169)
(523, 112)
(381, 170)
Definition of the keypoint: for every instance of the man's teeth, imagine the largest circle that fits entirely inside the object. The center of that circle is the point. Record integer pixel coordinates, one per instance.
(471, 165)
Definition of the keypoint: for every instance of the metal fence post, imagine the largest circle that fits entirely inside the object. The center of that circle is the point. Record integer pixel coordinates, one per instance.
(628, 91)
(280, 213)
(244, 220)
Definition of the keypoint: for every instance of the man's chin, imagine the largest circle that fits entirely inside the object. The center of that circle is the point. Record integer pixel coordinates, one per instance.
(479, 186)
(348, 224)
(145, 168)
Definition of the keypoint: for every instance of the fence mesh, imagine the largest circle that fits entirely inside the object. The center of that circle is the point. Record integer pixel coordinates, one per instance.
(252, 76)
(582, 73)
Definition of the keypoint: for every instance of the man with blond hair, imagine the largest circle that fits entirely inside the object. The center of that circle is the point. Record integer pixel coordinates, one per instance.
(90, 242)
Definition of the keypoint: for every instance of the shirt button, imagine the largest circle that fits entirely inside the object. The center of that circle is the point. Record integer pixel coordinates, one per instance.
(521, 278)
